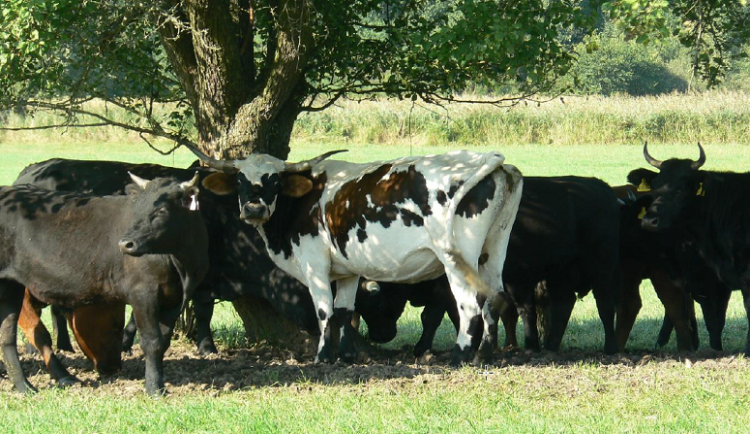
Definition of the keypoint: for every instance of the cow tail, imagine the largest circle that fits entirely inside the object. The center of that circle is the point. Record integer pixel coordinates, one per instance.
(491, 163)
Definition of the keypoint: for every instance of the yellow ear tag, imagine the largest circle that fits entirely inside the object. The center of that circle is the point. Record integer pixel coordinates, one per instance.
(700, 191)
(642, 213)
(643, 186)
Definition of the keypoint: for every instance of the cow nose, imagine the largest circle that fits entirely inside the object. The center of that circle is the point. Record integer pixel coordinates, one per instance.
(253, 211)
(650, 222)
(127, 247)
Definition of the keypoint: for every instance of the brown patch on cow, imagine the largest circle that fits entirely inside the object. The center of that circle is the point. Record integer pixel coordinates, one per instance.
(98, 331)
(350, 207)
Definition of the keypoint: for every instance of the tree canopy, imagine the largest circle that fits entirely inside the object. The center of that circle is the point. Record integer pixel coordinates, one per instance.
(241, 71)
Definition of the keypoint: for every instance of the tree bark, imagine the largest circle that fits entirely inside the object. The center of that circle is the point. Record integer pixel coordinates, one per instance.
(263, 323)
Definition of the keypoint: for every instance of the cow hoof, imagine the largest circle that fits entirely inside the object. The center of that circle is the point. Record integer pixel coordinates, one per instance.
(25, 387)
(348, 358)
(207, 349)
(611, 348)
(65, 347)
(30, 349)
(460, 356)
(68, 381)
(420, 351)
(485, 354)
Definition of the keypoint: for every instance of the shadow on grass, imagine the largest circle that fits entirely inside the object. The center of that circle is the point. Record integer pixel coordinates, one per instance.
(264, 366)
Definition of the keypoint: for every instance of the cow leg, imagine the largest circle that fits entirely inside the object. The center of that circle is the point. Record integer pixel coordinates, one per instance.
(714, 314)
(665, 332)
(509, 317)
(469, 313)
(561, 303)
(432, 316)
(630, 304)
(523, 297)
(128, 334)
(60, 328)
(746, 301)
(204, 311)
(155, 328)
(11, 301)
(98, 330)
(38, 336)
(343, 308)
(675, 303)
(322, 297)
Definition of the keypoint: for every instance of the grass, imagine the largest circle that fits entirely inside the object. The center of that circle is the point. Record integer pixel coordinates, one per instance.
(578, 396)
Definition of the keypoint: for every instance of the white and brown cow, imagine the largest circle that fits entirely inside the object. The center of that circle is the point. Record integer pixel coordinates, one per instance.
(404, 220)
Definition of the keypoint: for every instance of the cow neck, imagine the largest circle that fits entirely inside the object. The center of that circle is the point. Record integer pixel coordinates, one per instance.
(293, 218)
(191, 259)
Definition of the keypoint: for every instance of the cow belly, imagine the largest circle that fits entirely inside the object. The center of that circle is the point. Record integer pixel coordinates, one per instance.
(394, 254)
(418, 266)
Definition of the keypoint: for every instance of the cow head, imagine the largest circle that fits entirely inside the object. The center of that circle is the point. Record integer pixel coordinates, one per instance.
(673, 188)
(162, 211)
(258, 180)
(381, 306)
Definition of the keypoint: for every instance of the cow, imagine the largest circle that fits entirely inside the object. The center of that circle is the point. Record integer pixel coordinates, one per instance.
(239, 265)
(709, 209)
(404, 220)
(565, 237)
(645, 255)
(148, 249)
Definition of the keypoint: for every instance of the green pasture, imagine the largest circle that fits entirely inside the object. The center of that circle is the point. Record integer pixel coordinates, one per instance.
(585, 396)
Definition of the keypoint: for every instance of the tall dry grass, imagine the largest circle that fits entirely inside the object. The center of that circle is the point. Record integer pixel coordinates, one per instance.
(711, 117)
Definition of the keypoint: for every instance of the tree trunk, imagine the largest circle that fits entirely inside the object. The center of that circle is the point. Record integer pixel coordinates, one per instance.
(242, 107)
(263, 323)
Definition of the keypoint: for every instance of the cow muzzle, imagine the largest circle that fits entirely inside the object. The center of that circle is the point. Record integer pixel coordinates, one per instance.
(129, 246)
(254, 213)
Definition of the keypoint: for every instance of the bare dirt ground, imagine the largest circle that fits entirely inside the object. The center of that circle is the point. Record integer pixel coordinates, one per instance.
(188, 373)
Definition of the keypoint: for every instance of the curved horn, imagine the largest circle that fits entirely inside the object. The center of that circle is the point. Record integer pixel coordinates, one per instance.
(140, 182)
(308, 164)
(651, 160)
(192, 183)
(631, 196)
(222, 165)
(701, 159)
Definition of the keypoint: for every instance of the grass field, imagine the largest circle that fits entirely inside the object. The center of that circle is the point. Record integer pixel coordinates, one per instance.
(641, 391)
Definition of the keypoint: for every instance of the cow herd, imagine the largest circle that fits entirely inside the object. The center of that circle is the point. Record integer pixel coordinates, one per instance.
(461, 233)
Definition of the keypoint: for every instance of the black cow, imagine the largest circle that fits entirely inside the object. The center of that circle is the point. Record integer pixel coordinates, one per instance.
(239, 263)
(567, 234)
(148, 249)
(709, 209)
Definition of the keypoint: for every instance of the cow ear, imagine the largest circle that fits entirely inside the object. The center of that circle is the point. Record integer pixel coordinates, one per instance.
(295, 185)
(220, 183)
(642, 178)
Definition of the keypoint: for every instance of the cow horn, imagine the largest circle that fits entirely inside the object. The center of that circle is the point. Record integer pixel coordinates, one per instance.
(651, 160)
(308, 164)
(140, 182)
(701, 159)
(226, 166)
(371, 286)
(192, 183)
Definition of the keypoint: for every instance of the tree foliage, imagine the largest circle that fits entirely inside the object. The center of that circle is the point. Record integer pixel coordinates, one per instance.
(715, 30)
(243, 70)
